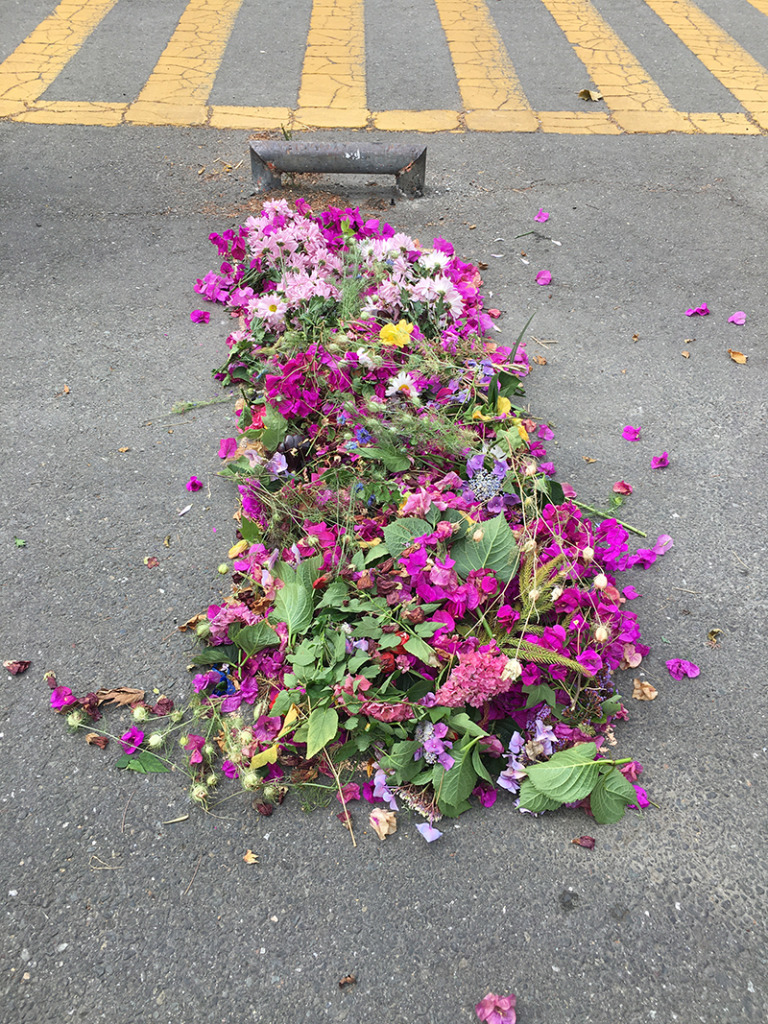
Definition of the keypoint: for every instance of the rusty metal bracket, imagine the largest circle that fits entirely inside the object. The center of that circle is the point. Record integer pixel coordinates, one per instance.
(271, 159)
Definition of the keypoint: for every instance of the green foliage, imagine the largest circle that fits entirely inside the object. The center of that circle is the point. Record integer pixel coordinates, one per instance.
(573, 774)
(495, 548)
(142, 761)
(322, 727)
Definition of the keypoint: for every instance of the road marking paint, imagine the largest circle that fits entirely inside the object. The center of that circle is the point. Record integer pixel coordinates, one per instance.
(720, 54)
(571, 122)
(333, 74)
(257, 118)
(417, 120)
(178, 89)
(626, 86)
(760, 5)
(74, 112)
(27, 72)
(486, 79)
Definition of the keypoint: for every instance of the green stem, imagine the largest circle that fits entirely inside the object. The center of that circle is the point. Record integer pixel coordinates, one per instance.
(608, 515)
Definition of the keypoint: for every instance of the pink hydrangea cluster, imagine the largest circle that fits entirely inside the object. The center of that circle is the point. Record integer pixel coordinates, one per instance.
(478, 676)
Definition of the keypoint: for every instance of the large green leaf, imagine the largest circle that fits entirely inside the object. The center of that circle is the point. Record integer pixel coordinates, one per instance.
(532, 800)
(275, 427)
(294, 606)
(568, 775)
(495, 549)
(421, 650)
(321, 729)
(400, 760)
(400, 534)
(252, 639)
(453, 787)
(395, 461)
(610, 796)
(224, 654)
(144, 762)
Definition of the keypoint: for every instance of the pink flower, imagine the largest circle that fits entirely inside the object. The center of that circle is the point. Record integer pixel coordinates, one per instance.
(738, 318)
(642, 797)
(543, 277)
(631, 433)
(61, 697)
(541, 217)
(349, 792)
(698, 310)
(497, 1009)
(227, 447)
(195, 746)
(193, 484)
(660, 461)
(199, 316)
(132, 739)
(679, 667)
(568, 491)
(622, 488)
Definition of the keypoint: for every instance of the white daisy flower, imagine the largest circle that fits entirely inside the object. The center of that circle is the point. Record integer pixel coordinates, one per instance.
(403, 384)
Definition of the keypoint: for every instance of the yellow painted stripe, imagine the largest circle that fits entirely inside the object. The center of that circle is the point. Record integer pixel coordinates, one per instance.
(484, 72)
(178, 89)
(33, 65)
(333, 75)
(625, 84)
(760, 5)
(720, 54)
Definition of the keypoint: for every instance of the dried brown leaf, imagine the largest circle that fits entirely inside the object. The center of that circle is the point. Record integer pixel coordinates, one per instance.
(97, 740)
(121, 696)
(540, 360)
(191, 623)
(123, 450)
(737, 357)
(250, 857)
(591, 95)
(685, 354)
(348, 979)
(588, 459)
(586, 841)
(643, 690)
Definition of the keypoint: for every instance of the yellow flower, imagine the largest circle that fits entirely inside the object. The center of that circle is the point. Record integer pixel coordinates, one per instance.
(396, 334)
(503, 407)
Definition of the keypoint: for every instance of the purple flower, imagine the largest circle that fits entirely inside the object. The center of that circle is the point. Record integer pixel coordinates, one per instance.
(230, 769)
(61, 697)
(429, 833)
(193, 484)
(631, 433)
(132, 739)
(698, 310)
(679, 667)
(541, 217)
(267, 727)
(199, 316)
(349, 792)
(543, 278)
(497, 1009)
(660, 461)
(590, 660)
(485, 794)
(545, 432)
(738, 318)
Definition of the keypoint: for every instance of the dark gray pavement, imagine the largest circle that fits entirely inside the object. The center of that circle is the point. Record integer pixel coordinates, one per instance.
(111, 915)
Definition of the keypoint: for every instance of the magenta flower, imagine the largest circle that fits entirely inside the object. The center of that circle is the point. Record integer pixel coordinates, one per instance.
(429, 833)
(631, 433)
(199, 316)
(738, 318)
(543, 277)
(195, 746)
(62, 697)
(660, 461)
(701, 310)
(132, 740)
(227, 447)
(230, 769)
(642, 797)
(497, 1009)
(193, 484)
(679, 667)
(621, 487)
(542, 216)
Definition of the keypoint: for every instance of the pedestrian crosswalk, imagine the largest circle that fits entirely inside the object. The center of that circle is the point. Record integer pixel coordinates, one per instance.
(493, 82)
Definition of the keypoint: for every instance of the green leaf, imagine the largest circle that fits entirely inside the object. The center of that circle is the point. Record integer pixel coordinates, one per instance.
(463, 723)
(453, 787)
(334, 594)
(395, 461)
(537, 694)
(532, 800)
(275, 428)
(224, 654)
(400, 760)
(322, 727)
(454, 810)
(610, 796)
(294, 606)
(250, 530)
(252, 639)
(144, 762)
(401, 533)
(284, 700)
(496, 550)
(421, 650)
(477, 764)
(568, 775)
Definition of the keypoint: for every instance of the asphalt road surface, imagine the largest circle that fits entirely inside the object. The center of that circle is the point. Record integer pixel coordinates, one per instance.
(124, 128)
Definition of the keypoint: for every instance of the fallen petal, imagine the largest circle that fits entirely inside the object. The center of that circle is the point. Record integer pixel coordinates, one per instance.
(738, 318)
(429, 833)
(543, 277)
(541, 217)
(16, 667)
(621, 487)
(660, 461)
(586, 841)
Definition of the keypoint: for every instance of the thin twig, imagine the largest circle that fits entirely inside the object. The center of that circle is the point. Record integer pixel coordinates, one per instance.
(608, 515)
(193, 876)
(125, 811)
(742, 561)
(685, 591)
(341, 795)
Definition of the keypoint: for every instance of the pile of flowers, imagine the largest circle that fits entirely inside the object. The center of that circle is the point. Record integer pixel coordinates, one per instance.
(414, 597)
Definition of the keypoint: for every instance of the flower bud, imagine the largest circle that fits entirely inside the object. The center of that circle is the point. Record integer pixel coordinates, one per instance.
(250, 779)
(223, 569)
(512, 670)
(601, 634)
(209, 751)
(176, 716)
(245, 736)
(199, 794)
(600, 582)
(155, 741)
(75, 719)
(211, 780)
(140, 714)
(530, 469)
(557, 593)
(478, 535)
(588, 554)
